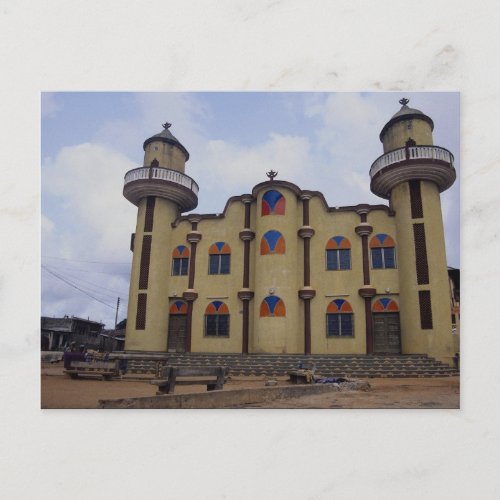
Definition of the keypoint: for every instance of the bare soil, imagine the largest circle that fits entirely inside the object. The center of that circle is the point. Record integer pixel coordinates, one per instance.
(60, 391)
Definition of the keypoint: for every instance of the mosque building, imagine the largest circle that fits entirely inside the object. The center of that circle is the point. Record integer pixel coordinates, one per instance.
(279, 271)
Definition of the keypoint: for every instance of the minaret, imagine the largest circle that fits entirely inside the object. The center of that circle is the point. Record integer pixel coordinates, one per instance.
(161, 191)
(412, 173)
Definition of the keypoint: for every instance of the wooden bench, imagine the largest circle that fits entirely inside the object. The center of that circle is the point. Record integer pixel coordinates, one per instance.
(170, 376)
(301, 376)
(105, 369)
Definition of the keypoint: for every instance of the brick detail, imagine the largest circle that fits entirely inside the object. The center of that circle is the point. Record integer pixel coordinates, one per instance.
(421, 254)
(417, 211)
(150, 209)
(424, 299)
(145, 257)
(140, 319)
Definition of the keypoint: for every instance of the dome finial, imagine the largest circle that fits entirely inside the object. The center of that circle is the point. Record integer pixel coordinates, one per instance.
(404, 101)
(166, 125)
(271, 174)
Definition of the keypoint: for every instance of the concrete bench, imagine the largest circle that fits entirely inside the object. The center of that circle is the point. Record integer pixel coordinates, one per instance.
(171, 376)
(104, 369)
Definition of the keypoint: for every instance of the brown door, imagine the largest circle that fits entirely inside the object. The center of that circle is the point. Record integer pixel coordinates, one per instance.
(386, 333)
(176, 333)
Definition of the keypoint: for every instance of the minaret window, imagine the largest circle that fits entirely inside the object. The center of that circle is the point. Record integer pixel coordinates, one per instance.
(272, 243)
(219, 258)
(180, 261)
(217, 319)
(272, 306)
(273, 203)
(339, 319)
(338, 253)
(383, 252)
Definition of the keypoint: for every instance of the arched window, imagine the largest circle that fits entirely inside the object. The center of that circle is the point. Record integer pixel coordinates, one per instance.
(217, 319)
(273, 203)
(272, 306)
(219, 258)
(178, 307)
(383, 252)
(385, 305)
(272, 242)
(338, 253)
(180, 261)
(339, 319)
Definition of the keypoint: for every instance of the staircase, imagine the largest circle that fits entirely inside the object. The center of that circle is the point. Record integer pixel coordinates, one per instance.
(337, 365)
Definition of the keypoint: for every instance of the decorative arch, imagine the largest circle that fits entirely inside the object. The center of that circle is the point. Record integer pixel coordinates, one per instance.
(385, 305)
(217, 319)
(339, 319)
(180, 252)
(272, 306)
(382, 240)
(219, 248)
(178, 307)
(272, 242)
(339, 306)
(338, 242)
(273, 203)
(216, 307)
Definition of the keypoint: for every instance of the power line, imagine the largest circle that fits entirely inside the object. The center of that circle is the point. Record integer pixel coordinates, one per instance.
(86, 261)
(92, 284)
(88, 271)
(74, 286)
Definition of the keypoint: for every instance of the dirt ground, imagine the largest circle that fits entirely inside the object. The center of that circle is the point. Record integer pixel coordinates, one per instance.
(60, 391)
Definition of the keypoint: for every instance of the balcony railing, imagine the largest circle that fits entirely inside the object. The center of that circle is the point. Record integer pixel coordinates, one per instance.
(155, 173)
(411, 153)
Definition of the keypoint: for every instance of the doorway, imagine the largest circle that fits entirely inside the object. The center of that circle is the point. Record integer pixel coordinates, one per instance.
(177, 333)
(386, 333)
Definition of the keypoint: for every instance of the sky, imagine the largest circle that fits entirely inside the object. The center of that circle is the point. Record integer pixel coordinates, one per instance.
(89, 140)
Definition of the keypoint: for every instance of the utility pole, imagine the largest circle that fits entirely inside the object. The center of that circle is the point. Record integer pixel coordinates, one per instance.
(117, 306)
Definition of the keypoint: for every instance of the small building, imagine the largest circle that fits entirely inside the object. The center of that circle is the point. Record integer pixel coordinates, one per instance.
(112, 340)
(57, 334)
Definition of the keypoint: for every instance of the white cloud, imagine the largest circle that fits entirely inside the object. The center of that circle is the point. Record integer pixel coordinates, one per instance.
(231, 169)
(85, 219)
(87, 180)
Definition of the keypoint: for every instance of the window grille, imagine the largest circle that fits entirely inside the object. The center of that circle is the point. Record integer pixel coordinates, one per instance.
(145, 258)
(140, 319)
(421, 254)
(416, 200)
(150, 207)
(424, 298)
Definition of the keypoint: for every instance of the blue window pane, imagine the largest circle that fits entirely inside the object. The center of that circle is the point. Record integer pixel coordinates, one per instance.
(213, 267)
(333, 324)
(225, 263)
(377, 258)
(389, 258)
(345, 259)
(175, 267)
(331, 260)
(184, 266)
(211, 324)
(223, 325)
(346, 324)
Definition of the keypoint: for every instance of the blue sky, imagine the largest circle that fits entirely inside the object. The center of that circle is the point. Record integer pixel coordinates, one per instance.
(89, 140)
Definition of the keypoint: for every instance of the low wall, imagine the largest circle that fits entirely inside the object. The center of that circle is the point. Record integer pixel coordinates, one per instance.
(226, 398)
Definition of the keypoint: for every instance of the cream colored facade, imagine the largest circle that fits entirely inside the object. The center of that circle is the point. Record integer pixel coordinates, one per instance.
(279, 296)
